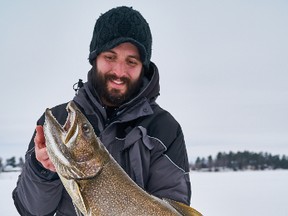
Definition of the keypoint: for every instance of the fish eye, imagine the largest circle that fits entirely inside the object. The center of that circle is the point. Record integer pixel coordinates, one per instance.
(85, 128)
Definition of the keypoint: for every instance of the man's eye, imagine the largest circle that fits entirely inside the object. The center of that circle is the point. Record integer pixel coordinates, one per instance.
(109, 58)
(132, 63)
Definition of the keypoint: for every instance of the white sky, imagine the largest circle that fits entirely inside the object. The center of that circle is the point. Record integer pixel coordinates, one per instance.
(223, 67)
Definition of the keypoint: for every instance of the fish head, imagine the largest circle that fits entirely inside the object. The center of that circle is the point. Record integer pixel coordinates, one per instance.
(74, 148)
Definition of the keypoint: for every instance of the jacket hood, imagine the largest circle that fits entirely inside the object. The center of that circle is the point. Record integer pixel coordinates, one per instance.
(150, 88)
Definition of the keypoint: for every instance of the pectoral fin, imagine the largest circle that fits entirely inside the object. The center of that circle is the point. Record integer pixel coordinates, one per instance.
(78, 212)
(185, 210)
(73, 190)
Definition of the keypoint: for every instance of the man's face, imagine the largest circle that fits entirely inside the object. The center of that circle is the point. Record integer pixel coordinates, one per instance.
(118, 74)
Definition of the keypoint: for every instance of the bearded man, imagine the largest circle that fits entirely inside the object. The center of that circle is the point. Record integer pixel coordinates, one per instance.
(119, 100)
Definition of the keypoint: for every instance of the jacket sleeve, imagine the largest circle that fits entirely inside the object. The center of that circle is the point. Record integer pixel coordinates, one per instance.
(169, 166)
(169, 173)
(38, 190)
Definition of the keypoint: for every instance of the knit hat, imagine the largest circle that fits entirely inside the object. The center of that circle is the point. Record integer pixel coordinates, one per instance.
(119, 25)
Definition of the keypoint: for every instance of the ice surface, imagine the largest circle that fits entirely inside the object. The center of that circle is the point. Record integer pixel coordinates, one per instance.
(214, 194)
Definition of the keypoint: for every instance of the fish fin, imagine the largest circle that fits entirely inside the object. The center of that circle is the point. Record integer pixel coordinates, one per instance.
(78, 212)
(73, 190)
(185, 210)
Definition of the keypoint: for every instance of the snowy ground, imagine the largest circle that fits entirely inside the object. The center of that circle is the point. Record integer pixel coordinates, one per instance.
(249, 193)
(214, 194)
(7, 184)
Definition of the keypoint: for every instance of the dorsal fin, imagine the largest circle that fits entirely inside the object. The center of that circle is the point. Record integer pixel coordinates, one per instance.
(185, 210)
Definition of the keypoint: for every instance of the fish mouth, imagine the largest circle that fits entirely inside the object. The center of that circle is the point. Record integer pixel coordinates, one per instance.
(67, 132)
(70, 127)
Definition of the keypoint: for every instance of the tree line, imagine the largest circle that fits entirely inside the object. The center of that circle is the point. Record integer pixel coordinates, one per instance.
(240, 161)
(11, 164)
(223, 161)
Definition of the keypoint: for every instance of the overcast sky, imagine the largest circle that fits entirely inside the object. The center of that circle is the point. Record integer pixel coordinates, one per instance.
(223, 67)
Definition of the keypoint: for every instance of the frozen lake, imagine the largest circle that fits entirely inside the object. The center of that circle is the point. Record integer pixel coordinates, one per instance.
(249, 193)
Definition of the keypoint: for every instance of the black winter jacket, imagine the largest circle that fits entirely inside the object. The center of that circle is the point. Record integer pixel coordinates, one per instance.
(143, 138)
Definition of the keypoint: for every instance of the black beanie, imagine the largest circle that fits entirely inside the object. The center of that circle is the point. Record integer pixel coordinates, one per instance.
(119, 25)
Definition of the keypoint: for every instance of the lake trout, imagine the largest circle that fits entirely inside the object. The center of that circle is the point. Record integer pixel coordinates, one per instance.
(95, 181)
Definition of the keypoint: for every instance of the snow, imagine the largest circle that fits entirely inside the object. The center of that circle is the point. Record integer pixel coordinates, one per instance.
(7, 184)
(240, 193)
(214, 194)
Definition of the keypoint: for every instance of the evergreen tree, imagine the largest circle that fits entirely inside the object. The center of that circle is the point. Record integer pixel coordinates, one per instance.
(11, 162)
(1, 165)
(21, 163)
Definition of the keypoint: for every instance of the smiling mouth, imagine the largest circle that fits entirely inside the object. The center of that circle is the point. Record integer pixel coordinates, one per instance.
(118, 85)
(117, 81)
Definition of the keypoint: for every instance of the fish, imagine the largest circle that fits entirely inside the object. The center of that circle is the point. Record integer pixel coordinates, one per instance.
(96, 183)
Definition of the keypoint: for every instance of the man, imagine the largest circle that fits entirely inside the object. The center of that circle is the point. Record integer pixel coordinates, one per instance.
(119, 99)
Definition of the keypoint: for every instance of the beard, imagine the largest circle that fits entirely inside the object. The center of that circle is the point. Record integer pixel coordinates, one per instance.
(114, 97)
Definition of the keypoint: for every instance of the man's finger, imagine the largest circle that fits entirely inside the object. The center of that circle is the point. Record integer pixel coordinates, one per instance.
(39, 137)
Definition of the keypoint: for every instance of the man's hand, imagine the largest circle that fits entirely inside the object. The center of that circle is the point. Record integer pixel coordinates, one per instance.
(40, 149)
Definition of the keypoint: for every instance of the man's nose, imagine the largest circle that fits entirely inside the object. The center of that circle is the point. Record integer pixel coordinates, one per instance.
(120, 69)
